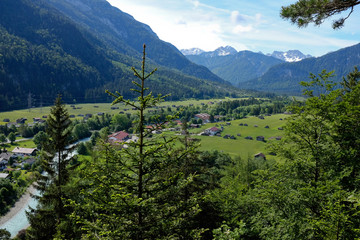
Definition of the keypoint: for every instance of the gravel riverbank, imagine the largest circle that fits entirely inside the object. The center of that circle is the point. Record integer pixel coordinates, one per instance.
(19, 205)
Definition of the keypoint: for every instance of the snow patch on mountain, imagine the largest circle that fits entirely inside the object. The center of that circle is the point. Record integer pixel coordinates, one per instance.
(192, 51)
(221, 51)
(290, 56)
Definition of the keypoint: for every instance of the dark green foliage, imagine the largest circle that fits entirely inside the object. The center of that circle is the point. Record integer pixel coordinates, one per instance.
(8, 195)
(312, 193)
(81, 131)
(120, 122)
(40, 139)
(48, 217)
(81, 149)
(304, 12)
(2, 138)
(4, 234)
(12, 137)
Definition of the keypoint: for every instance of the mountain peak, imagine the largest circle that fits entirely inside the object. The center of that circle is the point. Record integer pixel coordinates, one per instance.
(191, 51)
(221, 51)
(289, 56)
(224, 51)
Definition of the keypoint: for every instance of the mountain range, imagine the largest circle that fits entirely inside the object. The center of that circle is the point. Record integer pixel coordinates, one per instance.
(285, 78)
(279, 72)
(235, 67)
(79, 48)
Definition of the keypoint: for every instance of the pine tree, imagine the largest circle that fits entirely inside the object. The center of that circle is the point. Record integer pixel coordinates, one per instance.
(141, 191)
(304, 12)
(55, 159)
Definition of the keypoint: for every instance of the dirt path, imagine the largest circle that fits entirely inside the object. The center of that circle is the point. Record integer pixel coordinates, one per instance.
(20, 204)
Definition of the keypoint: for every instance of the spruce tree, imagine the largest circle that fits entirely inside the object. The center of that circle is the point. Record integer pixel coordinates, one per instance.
(55, 159)
(141, 191)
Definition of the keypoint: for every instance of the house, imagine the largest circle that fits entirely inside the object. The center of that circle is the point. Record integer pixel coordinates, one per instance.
(260, 155)
(4, 175)
(212, 131)
(3, 164)
(6, 156)
(19, 151)
(205, 117)
(260, 138)
(29, 161)
(118, 137)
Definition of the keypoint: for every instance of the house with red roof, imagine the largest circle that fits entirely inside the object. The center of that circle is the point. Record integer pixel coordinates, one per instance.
(118, 137)
(212, 131)
(205, 117)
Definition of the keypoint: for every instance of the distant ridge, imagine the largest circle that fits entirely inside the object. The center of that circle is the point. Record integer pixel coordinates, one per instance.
(285, 78)
(233, 66)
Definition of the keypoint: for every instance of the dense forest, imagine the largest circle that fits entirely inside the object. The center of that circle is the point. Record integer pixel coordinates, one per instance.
(46, 50)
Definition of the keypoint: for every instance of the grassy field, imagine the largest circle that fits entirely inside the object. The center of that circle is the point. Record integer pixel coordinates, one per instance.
(25, 144)
(241, 146)
(92, 108)
(235, 147)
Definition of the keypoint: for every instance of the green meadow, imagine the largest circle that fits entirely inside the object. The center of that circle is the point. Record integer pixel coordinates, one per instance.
(241, 146)
(92, 108)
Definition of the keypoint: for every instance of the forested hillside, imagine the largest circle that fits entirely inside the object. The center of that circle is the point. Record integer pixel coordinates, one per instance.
(237, 67)
(43, 52)
(285, 78)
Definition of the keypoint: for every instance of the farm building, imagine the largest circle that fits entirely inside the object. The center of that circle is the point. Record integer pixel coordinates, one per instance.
(212, 131)
(19, 151)
(205, 117)
(118, 137)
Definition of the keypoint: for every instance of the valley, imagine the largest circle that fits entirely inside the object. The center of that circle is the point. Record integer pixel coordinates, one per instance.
(123, 136)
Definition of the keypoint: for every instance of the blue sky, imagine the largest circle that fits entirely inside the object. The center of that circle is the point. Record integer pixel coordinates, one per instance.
(253, 25)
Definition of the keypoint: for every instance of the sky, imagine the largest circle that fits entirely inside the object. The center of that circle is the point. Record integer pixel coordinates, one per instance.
(253, 25)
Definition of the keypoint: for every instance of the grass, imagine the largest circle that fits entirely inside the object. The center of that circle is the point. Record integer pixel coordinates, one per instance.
(92, 108)
(241, 146)
(24, 144)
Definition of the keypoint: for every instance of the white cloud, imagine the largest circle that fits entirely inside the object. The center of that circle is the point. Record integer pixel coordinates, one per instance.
(242, 29)
(236, 17)
(243, 24)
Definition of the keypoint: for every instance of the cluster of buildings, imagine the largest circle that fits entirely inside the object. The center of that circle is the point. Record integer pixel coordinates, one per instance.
(17, 158)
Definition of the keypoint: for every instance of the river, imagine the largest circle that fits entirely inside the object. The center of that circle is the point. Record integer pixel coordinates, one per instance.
(15, 219)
